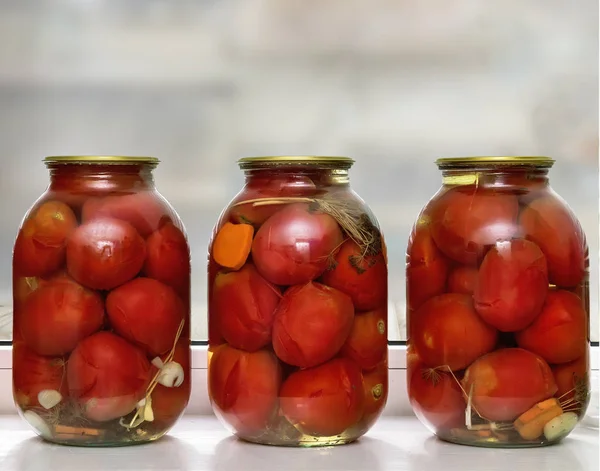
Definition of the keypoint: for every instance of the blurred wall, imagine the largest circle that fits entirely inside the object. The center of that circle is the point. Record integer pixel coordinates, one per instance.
(393, 83)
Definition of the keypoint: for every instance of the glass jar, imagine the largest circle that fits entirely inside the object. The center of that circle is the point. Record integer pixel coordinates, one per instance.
(497, 306)
(297, 306)
(101, 296)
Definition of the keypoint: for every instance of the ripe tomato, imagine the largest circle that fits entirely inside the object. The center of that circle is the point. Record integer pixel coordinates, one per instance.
(295, 245)
(573, 381)
(243, 387)
(105, 253)
(34, 373)
(426, 266)
(58, 315)
(375, 387)
(463, 279)
(435, 397)
(362, 277)
(367, 342)
(446, 330)
(512, 285)
(324, 400)
(40, 245)
(107, 376)
(264, 186)
(168, 258)
(553, 227)
(146, 312)
(244, 306)
(169, 403)
(466, 221)
(508, 382)
(22, 289)
(145, 211)
(311, 324)
(559, 334)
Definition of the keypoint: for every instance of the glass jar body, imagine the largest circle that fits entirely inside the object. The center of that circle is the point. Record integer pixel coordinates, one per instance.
(498, 310)
(297, 310)
(101, 297)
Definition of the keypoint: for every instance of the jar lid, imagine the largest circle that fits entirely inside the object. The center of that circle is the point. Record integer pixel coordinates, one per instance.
(337, 162)
(100, 159)
(530, 160)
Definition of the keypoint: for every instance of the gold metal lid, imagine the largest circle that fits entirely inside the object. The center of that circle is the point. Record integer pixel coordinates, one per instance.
(528, 160)
(330, 161)
(100, 159)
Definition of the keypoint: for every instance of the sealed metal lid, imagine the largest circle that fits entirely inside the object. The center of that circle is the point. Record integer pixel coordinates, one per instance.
(516, 160)
(100, 159)
(330, 161)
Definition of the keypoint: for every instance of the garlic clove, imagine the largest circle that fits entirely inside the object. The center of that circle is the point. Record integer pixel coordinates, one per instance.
(148, 413)
(561, 426)
(38, 424)
(48, 398)
(171, 375)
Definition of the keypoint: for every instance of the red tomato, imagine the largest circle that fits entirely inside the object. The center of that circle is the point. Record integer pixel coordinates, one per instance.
(214, 330)
(550, 224)
(168, 258)
(512, 285)
(105, 253)
(426, 268)
(295, 245)
(363, 278)
(559, 334)
(508, 382)
(375, 387)
(446, 330)
(22, 288)
(244, 304)
(312, 322)
(463, 279)
(325, 400)
(107, 376)
(168, 404)
(264, 186)
(466, 221)
(252, 212)
(34, 373)
(436, 397)
(243, 387)
(145, 211)
(573, 379)
(146, 312)
(40, 245)
(58, 315)
(367, 342)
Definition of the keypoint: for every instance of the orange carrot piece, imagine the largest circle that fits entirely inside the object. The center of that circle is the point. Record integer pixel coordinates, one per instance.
(232, 245)
(530, 424)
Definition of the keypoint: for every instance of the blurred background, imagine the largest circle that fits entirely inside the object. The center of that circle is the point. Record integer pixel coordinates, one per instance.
(393, 83)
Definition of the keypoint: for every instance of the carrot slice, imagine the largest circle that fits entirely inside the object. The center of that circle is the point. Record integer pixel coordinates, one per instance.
(530, 424)
(232, 245)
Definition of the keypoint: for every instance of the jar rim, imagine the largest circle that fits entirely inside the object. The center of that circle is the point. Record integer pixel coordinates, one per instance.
(538, 161)
(334, 161)
(100, 159)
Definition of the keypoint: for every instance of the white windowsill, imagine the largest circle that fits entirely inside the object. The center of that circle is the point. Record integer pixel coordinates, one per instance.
(200, 443)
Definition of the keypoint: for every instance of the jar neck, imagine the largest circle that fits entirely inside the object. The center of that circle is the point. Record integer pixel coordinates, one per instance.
(523, 176)
(101, 177)
(297, 176)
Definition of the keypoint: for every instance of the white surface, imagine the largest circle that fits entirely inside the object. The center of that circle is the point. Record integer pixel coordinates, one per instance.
(200, 443)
